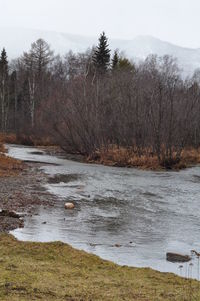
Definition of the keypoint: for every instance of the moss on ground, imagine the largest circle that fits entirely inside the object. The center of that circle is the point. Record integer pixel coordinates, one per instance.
(56, 271)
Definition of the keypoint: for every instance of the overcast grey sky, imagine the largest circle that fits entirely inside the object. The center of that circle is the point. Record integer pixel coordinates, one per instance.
(177, 21)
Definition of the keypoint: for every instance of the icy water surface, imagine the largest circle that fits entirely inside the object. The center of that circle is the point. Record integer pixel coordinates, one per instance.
(146, 213)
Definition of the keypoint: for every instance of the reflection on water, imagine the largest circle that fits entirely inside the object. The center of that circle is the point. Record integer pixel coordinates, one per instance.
(145, 213)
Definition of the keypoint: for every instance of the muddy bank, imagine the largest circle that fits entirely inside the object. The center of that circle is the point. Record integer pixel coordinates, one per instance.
(23, 193)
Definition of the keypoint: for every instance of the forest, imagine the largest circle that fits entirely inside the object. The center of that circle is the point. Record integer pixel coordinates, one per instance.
(102, 105)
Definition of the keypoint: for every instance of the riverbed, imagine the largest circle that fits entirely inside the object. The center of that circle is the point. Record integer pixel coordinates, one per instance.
(129, 216)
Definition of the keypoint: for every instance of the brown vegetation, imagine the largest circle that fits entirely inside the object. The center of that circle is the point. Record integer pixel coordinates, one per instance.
(86, 103)
(8, 138)
(123, 157)
(25, 139)
(149, 114)
(8, 166)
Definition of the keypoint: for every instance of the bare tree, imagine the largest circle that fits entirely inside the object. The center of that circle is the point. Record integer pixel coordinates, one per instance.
(36, 63)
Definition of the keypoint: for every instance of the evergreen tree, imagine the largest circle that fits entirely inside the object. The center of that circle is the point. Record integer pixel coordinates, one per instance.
(101, 56)
(4, 89)
(125, 64)
(115, 60)
(3, 63)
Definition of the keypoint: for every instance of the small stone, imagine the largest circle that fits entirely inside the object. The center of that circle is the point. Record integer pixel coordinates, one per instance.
(117, 245)
(69, 206)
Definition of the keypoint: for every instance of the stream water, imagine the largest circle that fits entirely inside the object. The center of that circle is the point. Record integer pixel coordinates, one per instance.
(146, 213)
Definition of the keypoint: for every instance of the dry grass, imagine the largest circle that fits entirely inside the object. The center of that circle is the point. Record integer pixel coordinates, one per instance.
(56, 271)
(191, 156)
(7, 138)
(2, 148)
(8, 166)
(123, 157)
(23, 139)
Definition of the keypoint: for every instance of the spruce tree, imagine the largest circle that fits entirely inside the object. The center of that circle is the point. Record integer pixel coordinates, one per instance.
(101, 56)
(115, 60)
(125, 65)
(3, 64)
(4, 89)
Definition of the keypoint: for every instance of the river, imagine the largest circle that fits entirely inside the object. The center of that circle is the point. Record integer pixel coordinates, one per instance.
(144, 213)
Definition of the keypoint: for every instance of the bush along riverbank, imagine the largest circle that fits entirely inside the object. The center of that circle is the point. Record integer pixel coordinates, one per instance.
(128, 157)
(112, 155)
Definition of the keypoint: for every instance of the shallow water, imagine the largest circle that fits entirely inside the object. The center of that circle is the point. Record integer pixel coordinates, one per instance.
(147, 213)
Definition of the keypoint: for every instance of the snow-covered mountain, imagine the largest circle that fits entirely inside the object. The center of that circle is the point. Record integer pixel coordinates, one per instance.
(18, 40)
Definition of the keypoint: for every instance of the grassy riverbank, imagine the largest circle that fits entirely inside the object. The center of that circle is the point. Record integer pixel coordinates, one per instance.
(56, 271)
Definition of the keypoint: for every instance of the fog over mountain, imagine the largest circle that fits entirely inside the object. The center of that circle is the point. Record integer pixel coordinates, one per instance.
(16, 41)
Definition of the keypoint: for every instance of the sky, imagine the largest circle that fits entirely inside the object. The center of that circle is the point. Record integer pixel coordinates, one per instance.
(176, 21)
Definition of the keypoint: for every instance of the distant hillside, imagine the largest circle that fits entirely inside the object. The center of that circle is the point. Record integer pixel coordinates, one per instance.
(18, 40)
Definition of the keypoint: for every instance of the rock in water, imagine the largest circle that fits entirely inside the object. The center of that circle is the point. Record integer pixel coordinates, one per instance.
(8, 213)
(117, 245)
(69, 206)
(173, 257)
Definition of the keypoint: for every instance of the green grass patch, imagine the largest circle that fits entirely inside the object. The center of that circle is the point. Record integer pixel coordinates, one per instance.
(56, 271)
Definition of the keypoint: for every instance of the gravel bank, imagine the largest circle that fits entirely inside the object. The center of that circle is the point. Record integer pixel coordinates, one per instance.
(23, 194)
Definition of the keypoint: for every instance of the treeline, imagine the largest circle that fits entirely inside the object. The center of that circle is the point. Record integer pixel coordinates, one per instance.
(91, 101)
